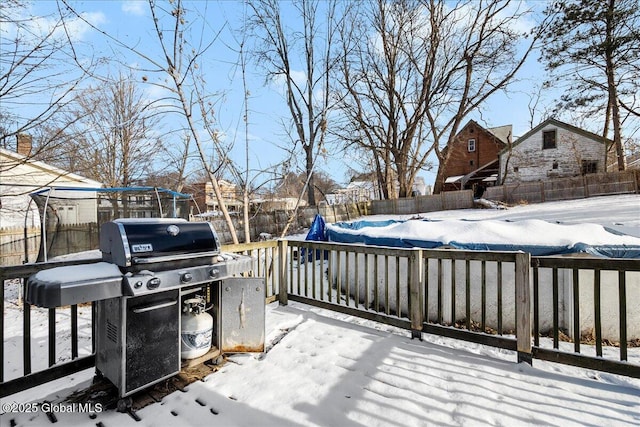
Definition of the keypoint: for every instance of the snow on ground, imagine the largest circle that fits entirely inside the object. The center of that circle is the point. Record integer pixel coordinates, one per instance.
(328, 369)
(522, 232)
(620, 213)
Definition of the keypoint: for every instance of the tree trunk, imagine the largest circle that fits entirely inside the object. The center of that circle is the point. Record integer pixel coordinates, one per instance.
(438, 185)
(403, 183)
(613, 94)
(245, 209)
(311, 196)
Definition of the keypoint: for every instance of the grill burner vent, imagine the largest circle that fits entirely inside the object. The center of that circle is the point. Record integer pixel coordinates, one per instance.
(112, 331)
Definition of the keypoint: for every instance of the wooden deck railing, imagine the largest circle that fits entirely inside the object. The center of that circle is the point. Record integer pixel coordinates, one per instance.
(581, 311)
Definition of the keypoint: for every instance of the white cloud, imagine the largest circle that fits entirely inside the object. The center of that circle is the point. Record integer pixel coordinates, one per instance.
(134, 7)
(299, 78)
(78, 28)
(525, 22)
(33, 28)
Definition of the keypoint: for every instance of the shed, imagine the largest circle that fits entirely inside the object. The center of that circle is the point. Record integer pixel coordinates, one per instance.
(553, 149)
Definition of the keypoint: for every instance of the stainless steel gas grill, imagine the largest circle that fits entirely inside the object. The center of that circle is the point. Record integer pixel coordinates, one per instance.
(149, 269)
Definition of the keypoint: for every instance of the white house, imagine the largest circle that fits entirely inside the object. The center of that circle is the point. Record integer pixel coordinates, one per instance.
(356, 191)
(420, 187)
(552, 149)
(20, 176)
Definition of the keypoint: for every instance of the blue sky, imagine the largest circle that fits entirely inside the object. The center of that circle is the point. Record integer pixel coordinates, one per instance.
(130, 22)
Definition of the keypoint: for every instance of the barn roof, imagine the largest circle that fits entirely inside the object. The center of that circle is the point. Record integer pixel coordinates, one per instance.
(558, 123)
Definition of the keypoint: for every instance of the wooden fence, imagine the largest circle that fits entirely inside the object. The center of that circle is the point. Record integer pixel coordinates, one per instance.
(65, 239)
(18, 244)
(579, 187)
(532, 192)
(274, 222)
(435, 202)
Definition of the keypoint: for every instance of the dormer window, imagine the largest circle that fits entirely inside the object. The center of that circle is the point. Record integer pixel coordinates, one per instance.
(548, 139)
(471, 145)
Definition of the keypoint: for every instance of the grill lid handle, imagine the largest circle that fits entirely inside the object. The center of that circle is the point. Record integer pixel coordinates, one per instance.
(168, 258)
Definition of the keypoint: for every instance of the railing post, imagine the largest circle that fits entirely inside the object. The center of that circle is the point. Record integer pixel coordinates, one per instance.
(283, 296)
(415, 287)
(523, 307)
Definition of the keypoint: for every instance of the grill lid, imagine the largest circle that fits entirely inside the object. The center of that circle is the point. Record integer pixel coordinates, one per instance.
(128, 242)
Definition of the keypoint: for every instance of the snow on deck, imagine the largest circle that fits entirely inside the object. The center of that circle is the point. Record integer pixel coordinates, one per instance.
(329, 369)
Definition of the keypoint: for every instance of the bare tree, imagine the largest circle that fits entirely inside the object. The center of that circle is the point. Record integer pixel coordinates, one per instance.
(114, 145)
(538, 109)
(39, 72)
(114, 137)
(182, 69)
(308, 97)
(291, 184)
(176, 164)
(174, 66)
(415, 70)
(384, 93)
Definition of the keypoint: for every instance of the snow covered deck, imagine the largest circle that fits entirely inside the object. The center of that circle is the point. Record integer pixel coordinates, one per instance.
(328, 369)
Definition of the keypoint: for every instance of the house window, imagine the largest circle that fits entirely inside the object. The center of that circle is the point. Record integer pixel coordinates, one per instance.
(555, 165)
(471, 145)
(548, 139)
(470, 162)
(589, 166)
(516, 169)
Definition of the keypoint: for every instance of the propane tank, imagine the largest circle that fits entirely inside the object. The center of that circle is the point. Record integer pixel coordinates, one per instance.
(197, 328)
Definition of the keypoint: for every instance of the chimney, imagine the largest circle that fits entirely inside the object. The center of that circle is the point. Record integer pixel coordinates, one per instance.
(24, 144)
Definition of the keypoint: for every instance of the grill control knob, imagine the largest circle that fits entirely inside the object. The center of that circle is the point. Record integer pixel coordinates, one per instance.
(153, 283)
(186, 277)
(214, 272)
(138, 284)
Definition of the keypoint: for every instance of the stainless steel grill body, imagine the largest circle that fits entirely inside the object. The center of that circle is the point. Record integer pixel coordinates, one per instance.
(140, 342)
(149, 267)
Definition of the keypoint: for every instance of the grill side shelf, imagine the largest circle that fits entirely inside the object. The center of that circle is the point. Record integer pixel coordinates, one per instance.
(49, 289)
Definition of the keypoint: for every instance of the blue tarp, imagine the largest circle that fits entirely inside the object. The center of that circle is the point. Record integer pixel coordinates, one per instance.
(333, 234)
(317, 232)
